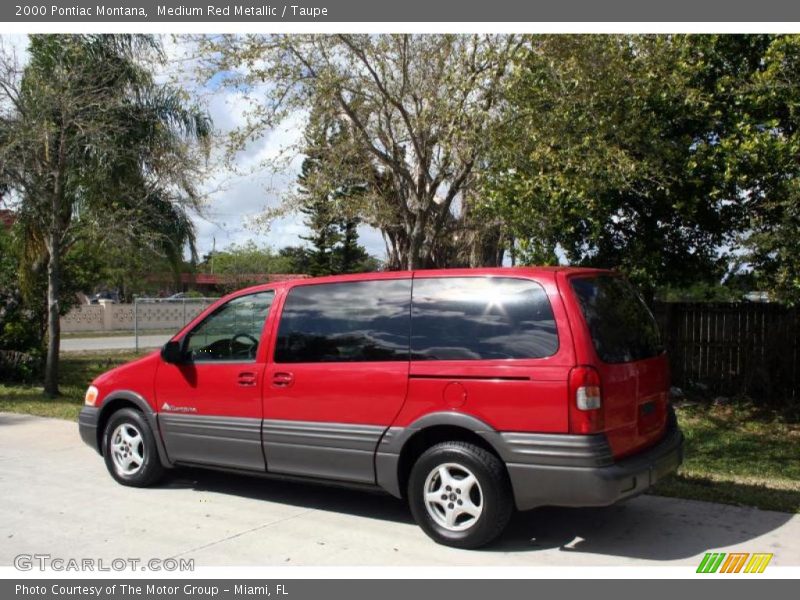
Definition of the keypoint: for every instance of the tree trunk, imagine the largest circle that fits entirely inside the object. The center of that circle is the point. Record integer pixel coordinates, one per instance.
(413, 260)
(393, 259)
(53, 318)
(416, 242)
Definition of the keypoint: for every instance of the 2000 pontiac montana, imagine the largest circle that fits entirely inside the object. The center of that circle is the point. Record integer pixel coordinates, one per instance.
(468, 392)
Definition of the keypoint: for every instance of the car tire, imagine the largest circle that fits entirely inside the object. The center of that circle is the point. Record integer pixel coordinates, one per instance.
(460, 494)
(129, 449)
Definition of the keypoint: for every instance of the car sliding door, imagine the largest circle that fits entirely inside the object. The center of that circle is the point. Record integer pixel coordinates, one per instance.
(338, 376)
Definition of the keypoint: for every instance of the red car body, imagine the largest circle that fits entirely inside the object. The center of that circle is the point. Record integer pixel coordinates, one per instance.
(366, 421)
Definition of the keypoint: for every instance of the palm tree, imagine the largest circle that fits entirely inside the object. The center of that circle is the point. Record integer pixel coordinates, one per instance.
(91, 143)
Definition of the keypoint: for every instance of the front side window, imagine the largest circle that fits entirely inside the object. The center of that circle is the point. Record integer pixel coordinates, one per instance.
(345, 322)
(232, 332)
(474, 318)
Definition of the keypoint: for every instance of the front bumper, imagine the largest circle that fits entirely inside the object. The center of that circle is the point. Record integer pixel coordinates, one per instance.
(87, 426)
(571, 485)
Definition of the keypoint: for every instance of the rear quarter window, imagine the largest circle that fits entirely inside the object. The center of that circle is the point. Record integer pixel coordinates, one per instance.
(621, 326)
(481, 318)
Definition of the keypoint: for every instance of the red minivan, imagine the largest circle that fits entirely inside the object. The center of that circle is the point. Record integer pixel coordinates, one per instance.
(469, 392)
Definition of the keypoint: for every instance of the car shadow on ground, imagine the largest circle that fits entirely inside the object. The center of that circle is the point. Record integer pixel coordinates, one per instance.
(648, 527)
(361, 503)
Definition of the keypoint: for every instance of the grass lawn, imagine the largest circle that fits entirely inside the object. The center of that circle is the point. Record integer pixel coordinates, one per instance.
(738, 455)
(77, 370)
(734, 454)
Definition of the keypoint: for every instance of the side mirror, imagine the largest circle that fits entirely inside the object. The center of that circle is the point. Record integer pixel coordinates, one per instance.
(171, 353)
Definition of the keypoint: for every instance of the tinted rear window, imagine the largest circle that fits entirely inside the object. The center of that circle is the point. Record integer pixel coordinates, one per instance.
(622, 327)
(471, 318)
(345, 322)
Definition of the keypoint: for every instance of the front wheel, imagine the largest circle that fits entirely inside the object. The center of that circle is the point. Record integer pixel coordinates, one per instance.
(129, 449)
(460, 495)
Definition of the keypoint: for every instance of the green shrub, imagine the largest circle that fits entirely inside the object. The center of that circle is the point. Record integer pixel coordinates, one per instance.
(19, 367)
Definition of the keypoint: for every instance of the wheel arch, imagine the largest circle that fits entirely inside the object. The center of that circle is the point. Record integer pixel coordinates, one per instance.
(399, 448)
(120, 399)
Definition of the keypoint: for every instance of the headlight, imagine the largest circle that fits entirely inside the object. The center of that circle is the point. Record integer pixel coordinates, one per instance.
(91, 396)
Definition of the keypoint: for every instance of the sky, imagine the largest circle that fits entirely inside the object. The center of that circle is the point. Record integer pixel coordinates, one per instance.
(234, 198)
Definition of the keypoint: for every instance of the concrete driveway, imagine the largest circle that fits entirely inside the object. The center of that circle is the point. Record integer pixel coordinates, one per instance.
(57, 498)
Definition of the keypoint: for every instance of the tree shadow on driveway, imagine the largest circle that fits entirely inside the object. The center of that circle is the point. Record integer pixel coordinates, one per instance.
(651, 528)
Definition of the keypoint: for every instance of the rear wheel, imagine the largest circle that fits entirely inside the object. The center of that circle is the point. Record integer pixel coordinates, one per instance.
(129, 449)
(460, 495)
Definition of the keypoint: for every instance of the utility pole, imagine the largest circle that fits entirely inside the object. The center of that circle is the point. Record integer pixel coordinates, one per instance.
(213, 251)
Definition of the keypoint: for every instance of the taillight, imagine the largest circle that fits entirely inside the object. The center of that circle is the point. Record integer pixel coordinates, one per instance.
(585, 400)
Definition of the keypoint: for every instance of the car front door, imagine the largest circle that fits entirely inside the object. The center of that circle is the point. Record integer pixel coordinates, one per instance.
(209, 404)
(338, 376)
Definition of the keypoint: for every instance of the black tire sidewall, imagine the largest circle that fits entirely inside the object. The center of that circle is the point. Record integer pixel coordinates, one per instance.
(151, 469)
(489, 471)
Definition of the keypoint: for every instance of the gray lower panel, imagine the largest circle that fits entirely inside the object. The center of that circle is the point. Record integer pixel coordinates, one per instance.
(386, 473)
(520, 448)
(555, 449)
(325, 463)
(339, 451)
(516, 447)
(233, 442)
(87, 426)
(539, 484)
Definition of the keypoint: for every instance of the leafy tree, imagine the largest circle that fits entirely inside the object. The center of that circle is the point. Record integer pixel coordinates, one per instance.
(298, 258)
(417, 106)
(701, 292)
(764, 160)
(657, 155)
(18, 324)
(93, 146)
(248, 259)
(23, 310)
(615, 167)
(245, 260)
(126, 267)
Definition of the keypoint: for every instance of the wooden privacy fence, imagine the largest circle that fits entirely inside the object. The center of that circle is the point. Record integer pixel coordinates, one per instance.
(732, 349)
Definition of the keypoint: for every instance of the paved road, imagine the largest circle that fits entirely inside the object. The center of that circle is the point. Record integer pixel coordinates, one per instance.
(58, 498)
(112, 343)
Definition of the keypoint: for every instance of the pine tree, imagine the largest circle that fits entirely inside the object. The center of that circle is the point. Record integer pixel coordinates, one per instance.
(334, 232)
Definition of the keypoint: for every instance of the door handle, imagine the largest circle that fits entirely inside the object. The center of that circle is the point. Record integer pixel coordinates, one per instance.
(247, 379)
(282, 379)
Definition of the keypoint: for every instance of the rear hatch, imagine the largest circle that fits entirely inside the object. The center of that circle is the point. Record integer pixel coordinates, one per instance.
(629, 357)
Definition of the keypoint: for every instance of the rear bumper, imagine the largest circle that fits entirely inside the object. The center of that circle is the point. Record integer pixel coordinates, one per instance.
(537, 484)
(87, 425)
